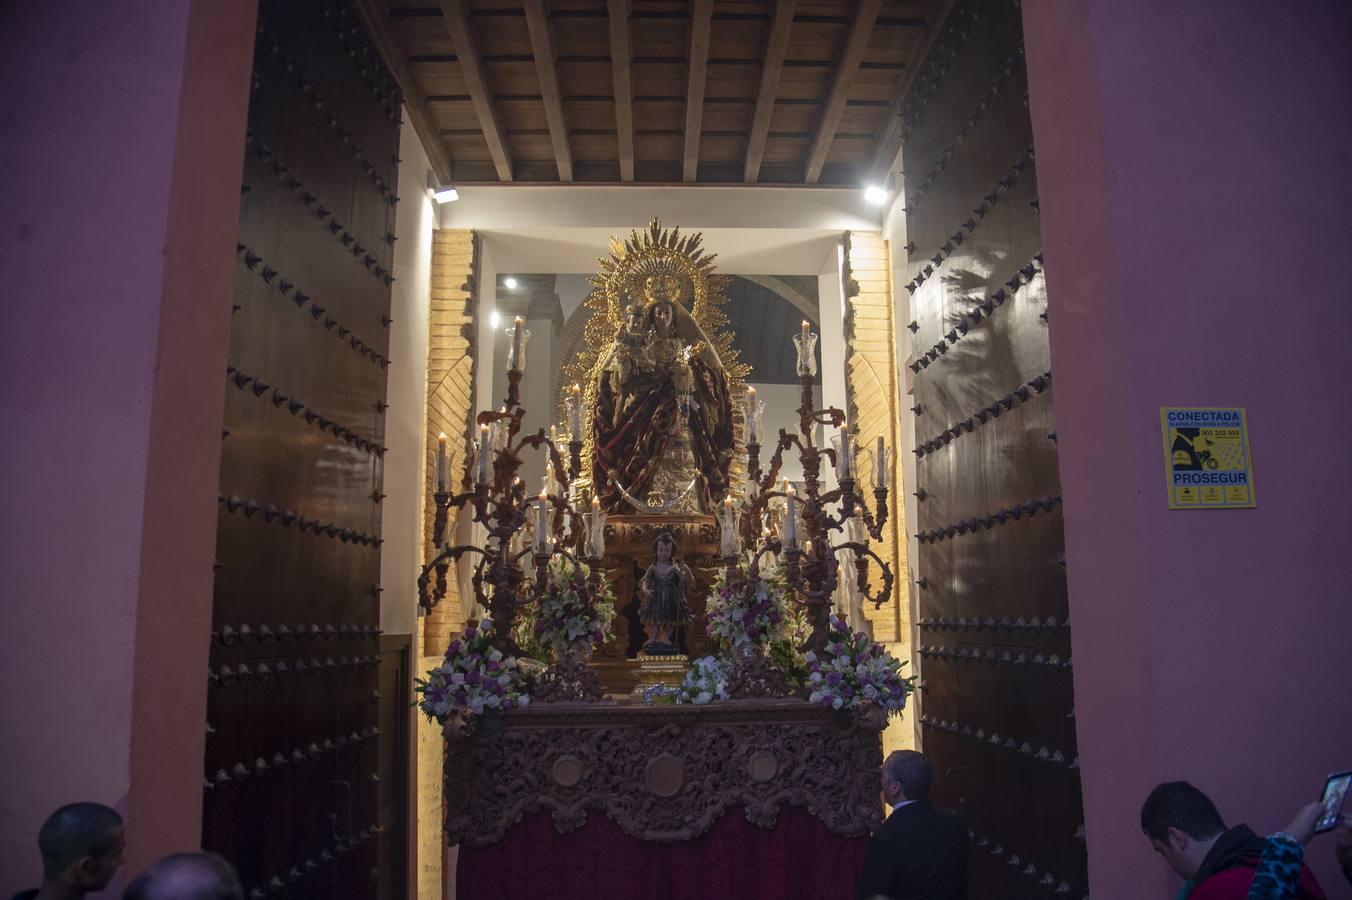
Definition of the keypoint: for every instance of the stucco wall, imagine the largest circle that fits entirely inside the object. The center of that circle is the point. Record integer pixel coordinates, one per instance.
(120, 156)
(1193, 168)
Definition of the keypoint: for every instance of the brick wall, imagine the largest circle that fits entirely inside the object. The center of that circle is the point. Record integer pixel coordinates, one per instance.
(871, 387)
(450, 392)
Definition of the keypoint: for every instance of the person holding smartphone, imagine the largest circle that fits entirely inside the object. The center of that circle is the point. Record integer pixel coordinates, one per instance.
(1279, 869)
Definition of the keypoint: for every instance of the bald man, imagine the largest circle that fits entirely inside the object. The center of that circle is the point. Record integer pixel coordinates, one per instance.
(187, 876)
(81, 846)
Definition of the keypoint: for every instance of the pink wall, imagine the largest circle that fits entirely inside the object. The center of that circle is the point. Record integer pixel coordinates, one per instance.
(1194, 171)
(121, 129)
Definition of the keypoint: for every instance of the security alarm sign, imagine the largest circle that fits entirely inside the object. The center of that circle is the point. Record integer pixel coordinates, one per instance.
(1206, 457)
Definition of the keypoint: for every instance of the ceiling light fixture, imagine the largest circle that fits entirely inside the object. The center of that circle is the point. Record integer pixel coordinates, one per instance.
(875, 195)
(494, 319)
(510, 283)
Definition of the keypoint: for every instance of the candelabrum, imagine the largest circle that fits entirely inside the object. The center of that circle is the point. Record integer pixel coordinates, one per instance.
(804, 539)
(497, 498)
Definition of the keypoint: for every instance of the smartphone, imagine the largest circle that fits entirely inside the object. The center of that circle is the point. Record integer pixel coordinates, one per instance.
(1335, 790)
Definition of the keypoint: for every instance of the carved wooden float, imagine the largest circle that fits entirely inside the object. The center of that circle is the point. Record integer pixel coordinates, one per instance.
(663, 772)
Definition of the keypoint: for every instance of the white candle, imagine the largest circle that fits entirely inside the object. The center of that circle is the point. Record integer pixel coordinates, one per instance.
(541, 523)
(484, 454)
(728, 534)
(598, 526)
(575, 413)
(752, 425)
(880, 467)
(441, 463)
(805, 332)
(845, 460)
(791, 520)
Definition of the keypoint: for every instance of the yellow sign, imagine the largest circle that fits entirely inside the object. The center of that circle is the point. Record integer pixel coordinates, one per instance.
(1206, 457)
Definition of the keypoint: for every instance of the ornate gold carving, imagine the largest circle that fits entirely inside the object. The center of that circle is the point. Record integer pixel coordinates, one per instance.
(663, 773)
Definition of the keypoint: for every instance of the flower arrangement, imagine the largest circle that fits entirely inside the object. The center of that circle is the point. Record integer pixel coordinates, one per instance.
(705, 681)
(565, 617)
(852, 671)
(473, 678)
(751, 611)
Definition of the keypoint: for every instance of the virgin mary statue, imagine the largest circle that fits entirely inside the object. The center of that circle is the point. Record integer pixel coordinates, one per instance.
(660, 377)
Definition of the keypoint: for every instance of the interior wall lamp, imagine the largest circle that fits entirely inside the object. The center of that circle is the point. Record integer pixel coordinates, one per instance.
(442, 193)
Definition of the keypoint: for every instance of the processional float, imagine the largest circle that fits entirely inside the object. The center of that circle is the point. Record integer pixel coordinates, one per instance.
(663, 441)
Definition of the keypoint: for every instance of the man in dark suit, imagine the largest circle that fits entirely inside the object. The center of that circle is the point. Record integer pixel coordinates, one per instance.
(920, 853)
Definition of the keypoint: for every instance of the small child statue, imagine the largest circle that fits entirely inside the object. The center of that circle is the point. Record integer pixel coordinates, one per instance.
(664, 587)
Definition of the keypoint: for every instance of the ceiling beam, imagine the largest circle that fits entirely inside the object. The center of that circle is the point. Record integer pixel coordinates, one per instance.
(701, 18)
(373, 16)
(889, 141)
(865, 14)
(546, 66)
(456, 14)
(775, 48)
(620, 56)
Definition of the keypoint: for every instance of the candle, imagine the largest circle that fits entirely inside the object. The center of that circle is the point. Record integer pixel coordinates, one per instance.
(597, 526)
(542, 523)
(483, 454)
(575, 412)
(728, 531)
(791, 520)
(844, 466)
(752, 419)
(516, 353)
(441, 463)
(805, 332)
(880, 474)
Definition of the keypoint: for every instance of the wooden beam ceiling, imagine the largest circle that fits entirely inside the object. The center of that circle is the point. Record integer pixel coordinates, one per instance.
(374, 16)
(456, 15)
(776, 46)
(865, 14)
(701, 18)
(546, 65)
(889, 139)
(621, 54)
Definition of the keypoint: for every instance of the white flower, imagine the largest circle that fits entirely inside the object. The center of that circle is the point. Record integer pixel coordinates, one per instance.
(837, 703)
(457, 678)
(703, 697)
(523, 700)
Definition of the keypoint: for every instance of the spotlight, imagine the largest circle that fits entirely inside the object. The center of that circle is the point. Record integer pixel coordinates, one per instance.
(875, 195)
(442, 193)
(510, 283)
(494, 319)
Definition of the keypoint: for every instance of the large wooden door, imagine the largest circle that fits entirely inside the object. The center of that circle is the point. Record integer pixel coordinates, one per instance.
(997, 711)
(291, 773)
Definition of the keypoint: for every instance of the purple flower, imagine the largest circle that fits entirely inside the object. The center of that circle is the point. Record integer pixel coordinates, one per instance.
(472, 677)
(833, 678)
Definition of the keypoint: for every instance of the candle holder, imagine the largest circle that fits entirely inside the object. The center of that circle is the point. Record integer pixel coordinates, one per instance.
(498, 500)
(808, 555)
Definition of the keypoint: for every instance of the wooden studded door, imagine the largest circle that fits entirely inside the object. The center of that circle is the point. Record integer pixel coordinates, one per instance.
(997, 711)
(291, 769)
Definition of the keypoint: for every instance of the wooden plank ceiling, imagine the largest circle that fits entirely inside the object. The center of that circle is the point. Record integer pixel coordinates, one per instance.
(654, 91)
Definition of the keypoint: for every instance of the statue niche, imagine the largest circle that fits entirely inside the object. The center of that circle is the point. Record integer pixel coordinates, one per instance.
(662, 429)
